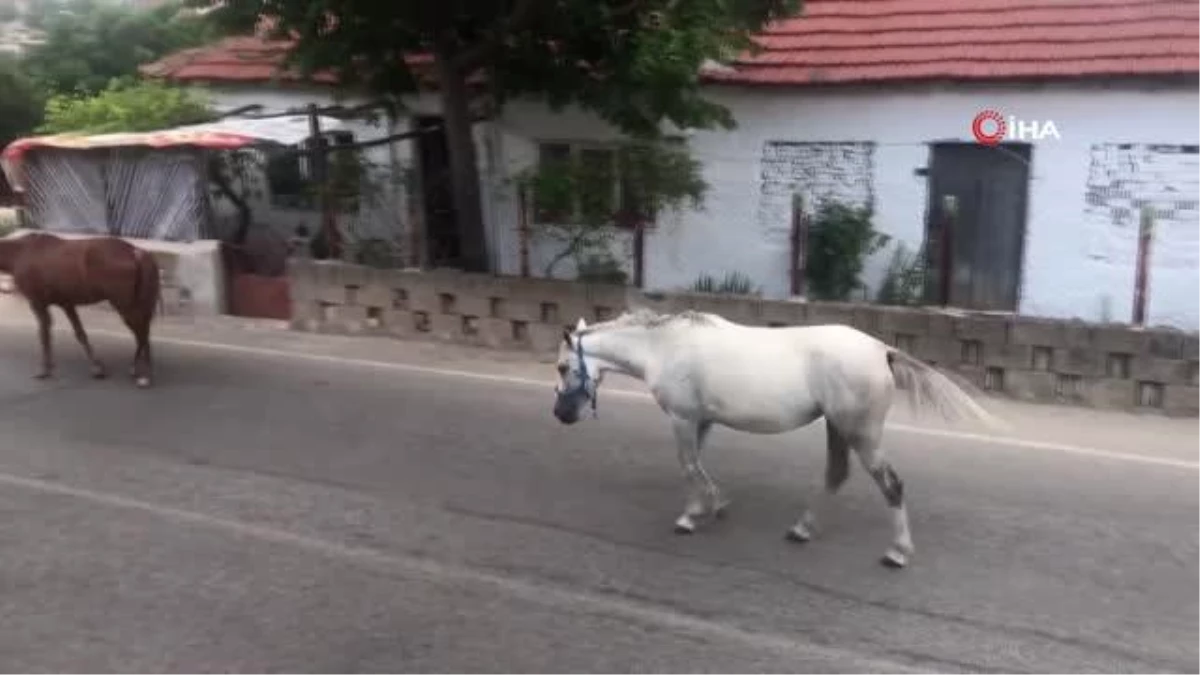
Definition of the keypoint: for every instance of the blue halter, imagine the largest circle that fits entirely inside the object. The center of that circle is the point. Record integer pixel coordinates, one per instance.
(587, 386)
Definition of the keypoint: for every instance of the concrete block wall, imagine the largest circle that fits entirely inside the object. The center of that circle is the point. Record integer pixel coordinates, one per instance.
(1104, 366)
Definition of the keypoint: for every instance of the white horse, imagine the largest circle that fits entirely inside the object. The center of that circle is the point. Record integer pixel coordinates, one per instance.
(703, 370)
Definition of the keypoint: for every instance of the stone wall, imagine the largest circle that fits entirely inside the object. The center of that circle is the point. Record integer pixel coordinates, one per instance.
(1105, 366)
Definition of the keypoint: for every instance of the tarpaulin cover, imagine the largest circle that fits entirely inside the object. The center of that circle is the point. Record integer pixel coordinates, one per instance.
(226, 134)
(127, 191)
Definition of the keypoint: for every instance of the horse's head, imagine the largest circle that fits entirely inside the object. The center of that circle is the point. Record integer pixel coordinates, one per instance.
(577, 378)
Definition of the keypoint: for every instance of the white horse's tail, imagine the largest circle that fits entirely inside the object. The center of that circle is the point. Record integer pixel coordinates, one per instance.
(927, 388)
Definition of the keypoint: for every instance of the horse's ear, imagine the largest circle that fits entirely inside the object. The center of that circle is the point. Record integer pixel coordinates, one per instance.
(567, 336)
(581, 325)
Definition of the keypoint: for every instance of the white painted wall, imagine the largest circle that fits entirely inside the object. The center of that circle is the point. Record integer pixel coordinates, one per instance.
(1075, 266)
(1076, 263)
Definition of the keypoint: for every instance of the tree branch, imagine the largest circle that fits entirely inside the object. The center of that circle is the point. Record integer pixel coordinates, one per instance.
(475, 57)
(574, 244)
(225, 187)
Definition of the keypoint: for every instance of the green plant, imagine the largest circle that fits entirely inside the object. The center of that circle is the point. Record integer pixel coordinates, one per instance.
(375, 252)
(125, 106)
(579, 203)
(602, 269)
(733, 283)
(22, 103)
(904, 281)
(840, 239)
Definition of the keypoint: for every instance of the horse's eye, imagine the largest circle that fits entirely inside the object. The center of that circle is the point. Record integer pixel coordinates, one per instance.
(562, 369)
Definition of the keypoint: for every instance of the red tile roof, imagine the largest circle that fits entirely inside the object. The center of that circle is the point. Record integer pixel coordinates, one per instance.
(234, 59)
(843, 41)
(848, 41)
(237, 59)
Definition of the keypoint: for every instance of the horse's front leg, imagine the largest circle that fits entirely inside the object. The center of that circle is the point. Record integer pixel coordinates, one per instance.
(42, 313)
(704, 497)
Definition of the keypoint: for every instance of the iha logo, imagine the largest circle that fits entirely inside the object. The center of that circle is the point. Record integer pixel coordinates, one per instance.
(990, 128)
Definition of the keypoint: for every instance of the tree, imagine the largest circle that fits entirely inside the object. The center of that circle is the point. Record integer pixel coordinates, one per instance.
(125, 106)
(91, 42)
(634, 62)
(21, 105)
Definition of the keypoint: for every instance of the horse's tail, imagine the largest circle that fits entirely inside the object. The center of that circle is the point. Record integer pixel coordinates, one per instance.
(926, 388)
(146, 286)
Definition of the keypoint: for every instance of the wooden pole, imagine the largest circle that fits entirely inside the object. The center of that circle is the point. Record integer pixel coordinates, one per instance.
(1141, 282)
(946, 256)
(317, 165)
(639, 254)
(799, 245)
(524, 234)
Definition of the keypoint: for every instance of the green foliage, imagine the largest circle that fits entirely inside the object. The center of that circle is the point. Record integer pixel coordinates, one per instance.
(657, 177)
(636, 64)
(840, 239)
(375, 252)
(21, 103)
(733, 283)
(602, 268)
(578, 202)
(904, 281)
(125, 107)
(91, 42)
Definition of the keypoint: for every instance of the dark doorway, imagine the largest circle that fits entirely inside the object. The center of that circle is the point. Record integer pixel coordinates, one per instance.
(443, 247)
(979, 265)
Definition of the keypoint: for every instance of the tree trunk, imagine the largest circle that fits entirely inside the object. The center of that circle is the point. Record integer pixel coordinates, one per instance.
(464, 171)
(219, 179)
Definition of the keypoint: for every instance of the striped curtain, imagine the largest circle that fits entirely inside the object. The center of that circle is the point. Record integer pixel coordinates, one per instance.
(141, 193)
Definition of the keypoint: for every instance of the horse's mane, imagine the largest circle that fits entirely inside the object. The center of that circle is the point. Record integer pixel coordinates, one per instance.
(649, 319)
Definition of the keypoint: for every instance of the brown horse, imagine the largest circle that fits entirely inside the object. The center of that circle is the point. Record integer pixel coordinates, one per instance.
(49, 270)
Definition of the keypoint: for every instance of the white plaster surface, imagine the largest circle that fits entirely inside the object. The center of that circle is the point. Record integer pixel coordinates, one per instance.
(1078, 260)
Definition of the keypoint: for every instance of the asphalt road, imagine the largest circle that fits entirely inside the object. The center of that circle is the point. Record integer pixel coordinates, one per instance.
(264, 510)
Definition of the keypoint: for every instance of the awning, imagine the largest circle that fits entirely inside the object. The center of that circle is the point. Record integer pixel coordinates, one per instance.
(227, 134)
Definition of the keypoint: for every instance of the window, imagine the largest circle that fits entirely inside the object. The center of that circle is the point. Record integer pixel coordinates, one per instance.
(292, 182)
(597, 165)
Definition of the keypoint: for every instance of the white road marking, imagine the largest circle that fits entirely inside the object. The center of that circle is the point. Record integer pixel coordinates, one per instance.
(452, 574)
(1066, 448)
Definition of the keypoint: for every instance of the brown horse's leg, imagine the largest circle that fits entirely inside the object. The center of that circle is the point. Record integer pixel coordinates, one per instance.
(139, 325)
(142, 335)
(98, 371)
(42, 314)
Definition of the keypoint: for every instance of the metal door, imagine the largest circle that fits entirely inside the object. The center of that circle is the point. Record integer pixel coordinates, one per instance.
(986, 243)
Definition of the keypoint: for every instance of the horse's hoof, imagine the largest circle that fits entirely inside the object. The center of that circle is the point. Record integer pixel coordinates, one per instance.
(44, 375)
(99, 374)
(894, 560)
(685, 526)
(721, 509)
(143, 382)
(798, 534)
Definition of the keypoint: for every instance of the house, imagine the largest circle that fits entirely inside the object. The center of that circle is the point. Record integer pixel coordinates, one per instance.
(893, 104)
(243, 75)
